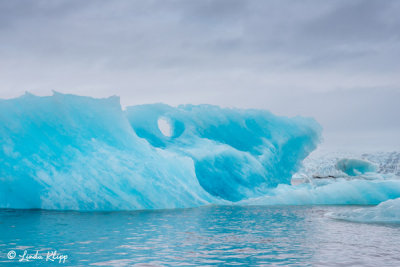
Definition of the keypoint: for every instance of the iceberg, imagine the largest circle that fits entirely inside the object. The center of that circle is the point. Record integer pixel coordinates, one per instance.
(350, 165)
(69, 152)
(385, 212)
(387, 162)
(322, 180)
(339, 191)
(236, 153)
(355, 167)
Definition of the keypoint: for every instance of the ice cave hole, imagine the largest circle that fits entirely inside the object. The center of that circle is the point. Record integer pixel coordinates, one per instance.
(165, 127)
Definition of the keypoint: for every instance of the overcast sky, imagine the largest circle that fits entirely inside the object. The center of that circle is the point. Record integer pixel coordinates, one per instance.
(337, 61)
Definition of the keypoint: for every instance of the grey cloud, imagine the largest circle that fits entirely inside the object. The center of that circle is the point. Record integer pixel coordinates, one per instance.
(219, 34)
(293, 57)
(357, 22)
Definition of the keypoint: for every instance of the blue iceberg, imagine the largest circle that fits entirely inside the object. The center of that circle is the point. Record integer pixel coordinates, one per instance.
(355, 167)
(236, 153)
(80, 153)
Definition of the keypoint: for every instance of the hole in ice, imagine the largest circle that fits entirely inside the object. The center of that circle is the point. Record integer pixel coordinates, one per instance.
(165, 127)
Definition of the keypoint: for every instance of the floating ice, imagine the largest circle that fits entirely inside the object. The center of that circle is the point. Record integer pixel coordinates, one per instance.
(385, 212)
(320, 182)
(355, 167)
(323, 164)
(388, 162)
(236, 153)
(73, 152)
(339, 191)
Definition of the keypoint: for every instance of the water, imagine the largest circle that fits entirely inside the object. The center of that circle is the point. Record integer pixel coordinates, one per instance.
(213, 235)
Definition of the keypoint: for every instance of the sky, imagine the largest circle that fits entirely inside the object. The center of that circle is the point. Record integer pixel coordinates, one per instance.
(336, 61)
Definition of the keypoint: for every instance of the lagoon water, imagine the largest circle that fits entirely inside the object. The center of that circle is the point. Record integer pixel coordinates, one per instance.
(211, 235)
(89, 156)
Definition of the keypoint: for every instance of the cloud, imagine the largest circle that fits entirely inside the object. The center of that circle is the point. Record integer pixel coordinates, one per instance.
(293, 57)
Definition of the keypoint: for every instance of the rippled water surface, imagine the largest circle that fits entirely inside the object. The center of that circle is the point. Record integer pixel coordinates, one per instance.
(216, 235)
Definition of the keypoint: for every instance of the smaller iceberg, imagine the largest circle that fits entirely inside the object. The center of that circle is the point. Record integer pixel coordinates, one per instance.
(354, 167)
(332, 165)
(386, 212)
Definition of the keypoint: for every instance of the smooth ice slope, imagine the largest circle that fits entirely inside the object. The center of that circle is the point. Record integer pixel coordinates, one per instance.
(73, 152)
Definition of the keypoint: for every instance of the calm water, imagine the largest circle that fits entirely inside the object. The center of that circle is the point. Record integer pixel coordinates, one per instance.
(223, 235)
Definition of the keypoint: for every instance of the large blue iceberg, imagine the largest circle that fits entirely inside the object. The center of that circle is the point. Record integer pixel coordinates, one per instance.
(80, 153)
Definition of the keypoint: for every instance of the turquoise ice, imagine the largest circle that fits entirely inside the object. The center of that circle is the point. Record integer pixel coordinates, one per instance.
(80, 153)
(236, 153)
(355, 167)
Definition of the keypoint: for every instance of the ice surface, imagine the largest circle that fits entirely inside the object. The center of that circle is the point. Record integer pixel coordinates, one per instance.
(339, 191)
(236, 153)
(324, 164)
(355, 167)
(320, 181)
(387, 162)
(73, 152)
(385, 212)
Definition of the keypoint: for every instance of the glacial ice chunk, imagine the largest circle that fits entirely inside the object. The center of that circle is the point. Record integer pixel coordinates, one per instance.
(355, 167)
(80, 153)
(323, 164)
(388, 162)
(236, 153)
(339, 191)
(385, 212)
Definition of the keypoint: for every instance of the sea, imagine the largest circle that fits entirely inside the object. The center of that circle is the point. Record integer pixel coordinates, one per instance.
(208, 236)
